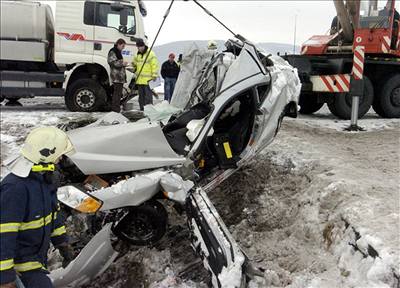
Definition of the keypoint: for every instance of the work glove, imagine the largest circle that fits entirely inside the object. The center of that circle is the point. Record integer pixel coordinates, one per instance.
(67, 253)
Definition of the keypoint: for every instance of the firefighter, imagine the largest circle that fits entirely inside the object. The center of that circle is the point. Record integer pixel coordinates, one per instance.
(212, 45)
(145, 72)
(30, 214)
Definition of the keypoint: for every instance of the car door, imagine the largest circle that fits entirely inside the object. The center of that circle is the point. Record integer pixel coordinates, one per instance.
(213, 242)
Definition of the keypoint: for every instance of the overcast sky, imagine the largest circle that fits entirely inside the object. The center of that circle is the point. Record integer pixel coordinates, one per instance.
(259, 21)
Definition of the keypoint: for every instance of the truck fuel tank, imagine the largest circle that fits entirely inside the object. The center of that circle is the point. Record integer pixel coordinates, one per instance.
(26, 21)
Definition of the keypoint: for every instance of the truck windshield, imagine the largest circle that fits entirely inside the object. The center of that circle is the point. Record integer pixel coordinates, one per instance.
(101, 14)
(375, 13)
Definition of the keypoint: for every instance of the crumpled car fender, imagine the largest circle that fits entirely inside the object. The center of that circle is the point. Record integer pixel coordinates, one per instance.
(131, 192)
(92, 261)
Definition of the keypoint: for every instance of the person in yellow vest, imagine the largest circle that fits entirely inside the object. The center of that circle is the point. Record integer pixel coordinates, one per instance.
(145, 72)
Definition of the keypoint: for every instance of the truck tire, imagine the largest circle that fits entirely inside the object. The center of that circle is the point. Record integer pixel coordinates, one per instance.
(389, 97)
(341, 105)
(14, 99)
(309, 104)
(85, 95)
(376, 105)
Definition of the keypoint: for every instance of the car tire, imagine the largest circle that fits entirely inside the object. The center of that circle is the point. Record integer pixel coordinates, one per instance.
(85, 95)
(143, 225)
(309, 104)
(389, 97)
(341, 105)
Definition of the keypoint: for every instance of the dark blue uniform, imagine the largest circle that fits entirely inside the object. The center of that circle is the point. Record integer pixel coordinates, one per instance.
(29, 220)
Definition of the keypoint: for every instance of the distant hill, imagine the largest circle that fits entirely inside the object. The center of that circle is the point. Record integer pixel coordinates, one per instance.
(178, 47)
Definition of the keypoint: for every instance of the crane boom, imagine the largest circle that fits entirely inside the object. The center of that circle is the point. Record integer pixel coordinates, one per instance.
(344, 20)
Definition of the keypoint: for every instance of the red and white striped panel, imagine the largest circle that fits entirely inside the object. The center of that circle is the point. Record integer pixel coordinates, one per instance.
(358, 62)
(331, 83)
(386, 44)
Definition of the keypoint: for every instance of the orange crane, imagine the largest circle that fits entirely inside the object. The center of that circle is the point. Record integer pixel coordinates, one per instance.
(357, 65)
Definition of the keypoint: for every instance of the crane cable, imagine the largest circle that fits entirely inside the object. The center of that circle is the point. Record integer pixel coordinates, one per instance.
(165, 18)
(238, 36)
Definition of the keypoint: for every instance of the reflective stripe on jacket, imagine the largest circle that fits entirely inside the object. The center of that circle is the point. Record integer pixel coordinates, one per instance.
(29, 220)
(150, 69)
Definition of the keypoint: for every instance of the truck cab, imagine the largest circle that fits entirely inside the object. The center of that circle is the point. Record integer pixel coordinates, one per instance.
(85, 31)
(67, 56)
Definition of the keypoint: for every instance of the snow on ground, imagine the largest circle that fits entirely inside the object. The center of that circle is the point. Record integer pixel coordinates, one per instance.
(370, 122)
(319, 208)
(348, 211)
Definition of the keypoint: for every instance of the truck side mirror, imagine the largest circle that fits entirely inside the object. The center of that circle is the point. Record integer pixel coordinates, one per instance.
(123, 19)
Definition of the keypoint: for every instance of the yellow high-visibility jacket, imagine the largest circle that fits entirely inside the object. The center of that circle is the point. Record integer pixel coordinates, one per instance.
(150, 69)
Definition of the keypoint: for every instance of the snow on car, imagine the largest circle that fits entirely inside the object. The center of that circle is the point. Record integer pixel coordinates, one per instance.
(226, 109)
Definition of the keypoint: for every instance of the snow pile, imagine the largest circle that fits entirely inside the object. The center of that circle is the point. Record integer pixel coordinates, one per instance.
(8, 139)
(291, 223)
(324, 119)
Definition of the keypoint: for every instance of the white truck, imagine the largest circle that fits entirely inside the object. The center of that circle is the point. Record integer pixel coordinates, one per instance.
(66, 57)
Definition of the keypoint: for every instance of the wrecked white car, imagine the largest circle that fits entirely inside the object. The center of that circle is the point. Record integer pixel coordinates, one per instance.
(226, 108)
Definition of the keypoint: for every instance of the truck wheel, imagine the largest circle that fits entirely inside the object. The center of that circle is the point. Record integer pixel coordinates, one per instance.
(13, 99)
(341, 105)
(308, 103)
(85, 95)
(376, 105)
(389, 98)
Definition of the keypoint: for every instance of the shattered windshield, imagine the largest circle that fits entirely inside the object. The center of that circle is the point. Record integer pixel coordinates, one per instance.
(226, 69)
(206, 88)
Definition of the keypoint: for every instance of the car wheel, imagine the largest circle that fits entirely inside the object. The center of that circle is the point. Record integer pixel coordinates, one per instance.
(341, 105)
(143, 225)
(309, 103)
(85, 95)
(389, 98)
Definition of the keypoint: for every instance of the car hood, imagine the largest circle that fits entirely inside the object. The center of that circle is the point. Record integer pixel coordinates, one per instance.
(121, 148)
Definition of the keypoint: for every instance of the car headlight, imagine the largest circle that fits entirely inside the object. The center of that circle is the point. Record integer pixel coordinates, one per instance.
(79, 200)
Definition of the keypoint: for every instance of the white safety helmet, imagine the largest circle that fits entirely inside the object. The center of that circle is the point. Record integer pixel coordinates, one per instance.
(212, 45)
(42, 145)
